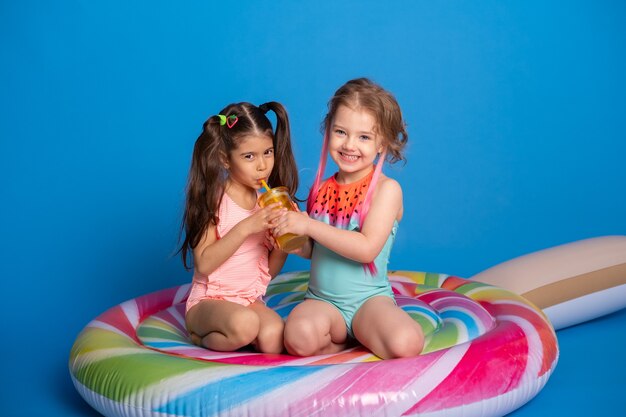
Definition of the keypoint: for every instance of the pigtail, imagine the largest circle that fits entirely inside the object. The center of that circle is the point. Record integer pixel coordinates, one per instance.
(205, 186)
(285, 171)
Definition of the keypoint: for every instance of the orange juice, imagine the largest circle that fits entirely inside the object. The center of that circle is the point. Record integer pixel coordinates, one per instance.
(288, 241)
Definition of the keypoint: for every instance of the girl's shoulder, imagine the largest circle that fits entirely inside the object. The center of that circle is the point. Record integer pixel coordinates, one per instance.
(388, 186)
(388, 197)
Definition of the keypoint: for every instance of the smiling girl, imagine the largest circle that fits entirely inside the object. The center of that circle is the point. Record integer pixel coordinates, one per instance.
(352, 221)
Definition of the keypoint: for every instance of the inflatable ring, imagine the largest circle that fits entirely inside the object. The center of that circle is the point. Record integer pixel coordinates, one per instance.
(488, 351)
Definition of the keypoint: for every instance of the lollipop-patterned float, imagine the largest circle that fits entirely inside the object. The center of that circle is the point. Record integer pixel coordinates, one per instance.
(488, 351)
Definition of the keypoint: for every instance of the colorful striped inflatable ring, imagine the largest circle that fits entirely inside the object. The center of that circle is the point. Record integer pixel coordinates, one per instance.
(488, 351)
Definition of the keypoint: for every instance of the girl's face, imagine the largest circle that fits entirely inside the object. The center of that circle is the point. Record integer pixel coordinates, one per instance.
(251, 162)
(353, 143)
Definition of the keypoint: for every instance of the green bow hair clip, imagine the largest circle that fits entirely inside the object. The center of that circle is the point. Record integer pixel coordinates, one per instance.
(228, 120)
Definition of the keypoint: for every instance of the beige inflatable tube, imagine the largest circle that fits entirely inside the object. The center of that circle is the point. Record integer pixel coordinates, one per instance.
(572, 283)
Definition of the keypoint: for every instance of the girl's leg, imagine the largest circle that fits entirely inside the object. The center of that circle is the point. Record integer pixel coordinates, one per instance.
(315, 328)
(271, 328)
(387, 330)
(222, 325)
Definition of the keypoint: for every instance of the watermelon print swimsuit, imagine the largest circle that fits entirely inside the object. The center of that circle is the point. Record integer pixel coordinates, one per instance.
(337, 280)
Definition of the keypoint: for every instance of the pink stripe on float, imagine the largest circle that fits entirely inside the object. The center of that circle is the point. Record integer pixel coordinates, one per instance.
(541, 326)
(476, 378)
(256, 360)
(173, 321)
(435, 295)
(366, 387)
(152, 303)
(116, 317)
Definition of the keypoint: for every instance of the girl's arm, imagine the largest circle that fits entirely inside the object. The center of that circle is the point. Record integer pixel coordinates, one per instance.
(306, 250)
(361, 246)
(276, 261)
(212, 252)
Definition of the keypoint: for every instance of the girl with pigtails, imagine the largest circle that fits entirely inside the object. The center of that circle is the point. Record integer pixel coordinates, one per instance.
(352, 221)
(226, 233)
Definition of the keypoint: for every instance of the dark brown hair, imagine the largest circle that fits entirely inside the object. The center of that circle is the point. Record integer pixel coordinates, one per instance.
(362, 93)
(207, 175)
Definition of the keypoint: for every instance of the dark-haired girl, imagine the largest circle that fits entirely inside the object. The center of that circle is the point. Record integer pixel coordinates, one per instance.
(226, 232)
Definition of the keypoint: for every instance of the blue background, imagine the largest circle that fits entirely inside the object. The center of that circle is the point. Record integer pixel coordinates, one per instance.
(517, 124)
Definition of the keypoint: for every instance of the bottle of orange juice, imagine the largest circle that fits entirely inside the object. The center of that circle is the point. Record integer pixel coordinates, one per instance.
(280, 195)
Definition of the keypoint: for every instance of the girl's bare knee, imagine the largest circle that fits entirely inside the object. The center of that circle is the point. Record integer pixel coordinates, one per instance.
(243, 327)
(301, 338)
(270, 338)
(405, 344)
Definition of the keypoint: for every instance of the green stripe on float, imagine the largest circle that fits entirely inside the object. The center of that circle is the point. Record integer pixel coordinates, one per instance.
(446, 337)
(147, 332)
(118, 377)
(431, 279)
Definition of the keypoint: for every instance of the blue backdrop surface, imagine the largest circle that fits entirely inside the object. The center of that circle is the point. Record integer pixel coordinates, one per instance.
(517, 139)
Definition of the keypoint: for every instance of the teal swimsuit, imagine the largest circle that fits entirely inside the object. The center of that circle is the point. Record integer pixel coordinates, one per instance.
(342, 282)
